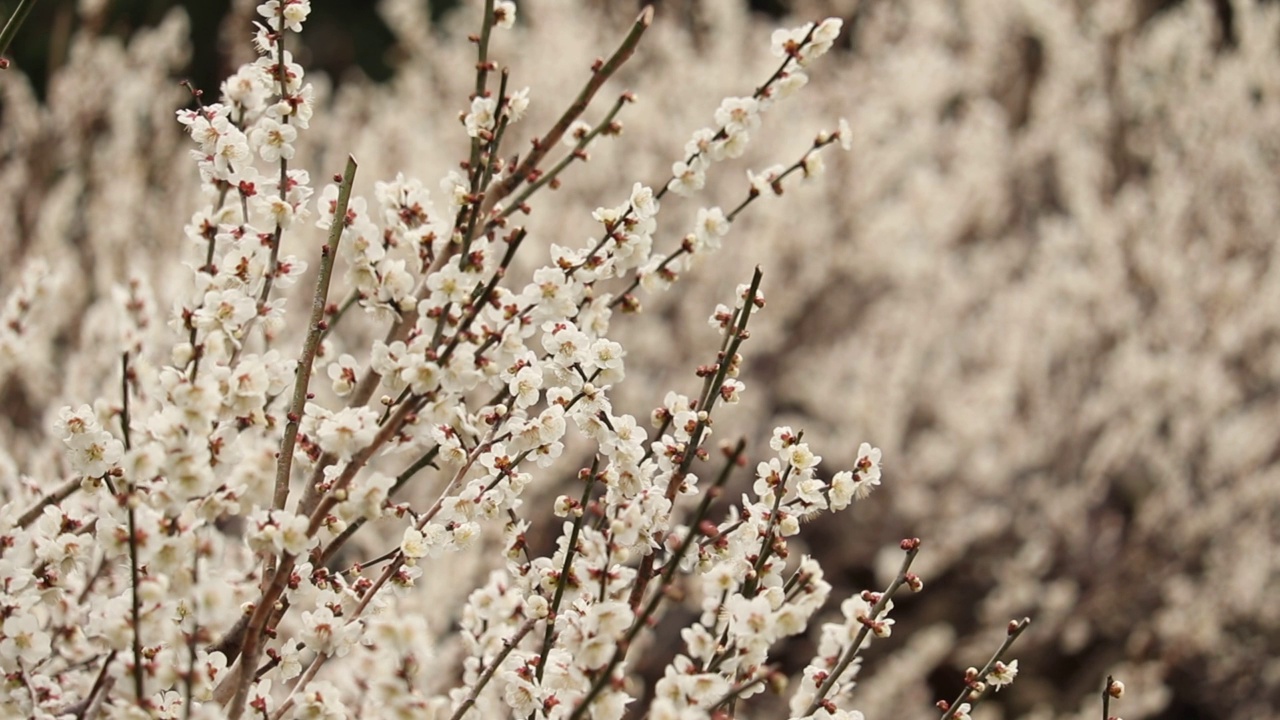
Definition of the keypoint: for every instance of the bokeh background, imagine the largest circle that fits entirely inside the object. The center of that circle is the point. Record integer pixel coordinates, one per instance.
(1044, 282)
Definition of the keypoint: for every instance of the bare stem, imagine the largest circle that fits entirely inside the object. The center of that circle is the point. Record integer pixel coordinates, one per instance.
(15, 21)
(63, 492)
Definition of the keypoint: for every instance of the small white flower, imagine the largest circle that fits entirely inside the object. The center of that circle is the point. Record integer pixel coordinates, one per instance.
(764, 180)
(1002, 674)
(710, 226)
(93, 454)
(643, 201)
(413, 544)
(738, 114)
(273, 139)
(517, 104)
(347, 431)
(788, 42)
(731, 391)
(24, 640)
(343, 373)
(525, 386)
(801, 457)
(578, 130)
(294, 13)
(812, 164)
(845, 134)
(790, 82)
(504, 14)
(868, 465)
(292, 535)
(688, 177)
(481, 118)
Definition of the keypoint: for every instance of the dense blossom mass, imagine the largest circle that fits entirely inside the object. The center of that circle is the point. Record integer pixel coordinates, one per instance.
(202, 558)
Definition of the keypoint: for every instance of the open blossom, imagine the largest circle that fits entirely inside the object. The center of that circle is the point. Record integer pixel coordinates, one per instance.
(347, 431)
(343, 374)
(23, 639)
(482, 117)
(94, 453)
(710, 227)
(273, 139)
(325, 632)
(225, 311)
(414, 543)
(868, 466)
(1002, 674)
(504, 14)
(738, 114)
(687, 177)
(294, 12)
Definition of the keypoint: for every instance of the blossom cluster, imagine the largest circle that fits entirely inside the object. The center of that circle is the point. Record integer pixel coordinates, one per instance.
(210, 551)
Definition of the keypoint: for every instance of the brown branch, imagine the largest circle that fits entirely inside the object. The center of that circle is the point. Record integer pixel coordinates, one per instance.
(601, 72)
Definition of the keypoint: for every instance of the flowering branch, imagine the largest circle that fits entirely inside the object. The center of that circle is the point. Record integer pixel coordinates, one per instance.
(600, 72)
(994, 674)
(317, 325)
(492, 667)
(461, 379)
(872, 621)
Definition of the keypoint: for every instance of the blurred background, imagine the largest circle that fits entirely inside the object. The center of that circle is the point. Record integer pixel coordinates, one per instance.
(1044, 282)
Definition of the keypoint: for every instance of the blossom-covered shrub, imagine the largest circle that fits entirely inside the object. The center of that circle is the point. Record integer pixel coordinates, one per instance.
(267, 507)
(1040, 283)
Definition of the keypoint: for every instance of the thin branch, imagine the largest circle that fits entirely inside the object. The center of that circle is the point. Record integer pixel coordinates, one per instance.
(316, 333)
(912, 547)
(600, 73)
(1016, 628)
(11, 27)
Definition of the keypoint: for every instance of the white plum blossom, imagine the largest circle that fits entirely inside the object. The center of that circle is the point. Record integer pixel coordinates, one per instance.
(1002, 674)
(347, 431)
(273, 140)
(482, 117)
(23, 638)
(504, 14)
(344, 374)
(294, 12)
